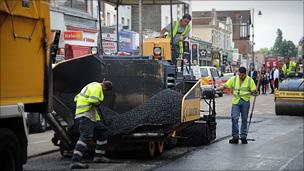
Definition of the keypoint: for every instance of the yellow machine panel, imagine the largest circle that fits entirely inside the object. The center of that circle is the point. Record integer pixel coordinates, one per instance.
(24, 44)
(163, 43)
(191, 103)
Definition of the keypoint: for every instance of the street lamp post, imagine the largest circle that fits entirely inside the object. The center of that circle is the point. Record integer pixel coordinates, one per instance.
(252, 26)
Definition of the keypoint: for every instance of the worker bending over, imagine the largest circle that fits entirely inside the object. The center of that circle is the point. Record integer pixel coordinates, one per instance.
(88, 119)
(243, 86)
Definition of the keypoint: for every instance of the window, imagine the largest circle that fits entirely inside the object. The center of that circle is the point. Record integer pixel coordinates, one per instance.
(167, 20)
(244, 30)
(115, 19)
(123, 21)
(214, 73)
(204, 72)
(128, 23)
(108, 18)
(75, 4)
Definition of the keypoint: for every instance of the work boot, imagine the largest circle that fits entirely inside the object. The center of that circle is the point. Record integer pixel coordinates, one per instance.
(234, 141)
(78, 165)
(102, 159)
(244, 140)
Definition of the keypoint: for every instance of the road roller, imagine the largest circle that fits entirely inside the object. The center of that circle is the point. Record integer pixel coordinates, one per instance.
(289, 97)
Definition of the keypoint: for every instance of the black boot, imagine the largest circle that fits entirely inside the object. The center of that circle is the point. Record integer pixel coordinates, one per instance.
(78, 165)
(234, 141)
(244, 140)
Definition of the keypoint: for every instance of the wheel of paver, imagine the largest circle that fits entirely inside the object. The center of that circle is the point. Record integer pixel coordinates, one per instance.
(160, 145)
(150, 149)
(9, 151)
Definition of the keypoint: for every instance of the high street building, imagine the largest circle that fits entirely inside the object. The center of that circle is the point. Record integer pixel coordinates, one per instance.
(239, 21)
(77, 21)
(156, 17)
(209, 28)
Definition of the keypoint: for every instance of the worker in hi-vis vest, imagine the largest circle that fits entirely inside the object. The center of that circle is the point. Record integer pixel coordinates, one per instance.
(180, 32)
(243, 86)
(88, 121)
(289, 67)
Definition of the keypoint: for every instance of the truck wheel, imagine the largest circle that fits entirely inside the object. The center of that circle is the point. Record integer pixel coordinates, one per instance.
(160, 145)
(37, 123)
(150, 149)
(9, 151)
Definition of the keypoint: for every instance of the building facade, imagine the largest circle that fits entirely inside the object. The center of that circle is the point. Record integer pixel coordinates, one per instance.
(156, 17)
(209, 28)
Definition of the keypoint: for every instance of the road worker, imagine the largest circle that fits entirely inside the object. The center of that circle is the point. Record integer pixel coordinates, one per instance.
(89, 122)
(181, 31)
(243, 86)
(289, 67)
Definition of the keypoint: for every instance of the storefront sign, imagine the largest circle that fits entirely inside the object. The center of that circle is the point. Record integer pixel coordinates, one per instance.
(109, 47)
(73, 35)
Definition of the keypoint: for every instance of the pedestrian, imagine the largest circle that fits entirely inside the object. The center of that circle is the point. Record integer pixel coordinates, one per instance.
(264, 81)
(88, 119)
(253, 74)
(276, 77)
(271, 80)
(243, 86)
(180, 32)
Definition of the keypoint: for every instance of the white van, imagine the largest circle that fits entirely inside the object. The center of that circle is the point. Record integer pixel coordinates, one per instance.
(208, 75)
(210, 78)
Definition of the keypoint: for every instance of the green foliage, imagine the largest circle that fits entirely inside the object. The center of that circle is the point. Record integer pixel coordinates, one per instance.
(283, 47)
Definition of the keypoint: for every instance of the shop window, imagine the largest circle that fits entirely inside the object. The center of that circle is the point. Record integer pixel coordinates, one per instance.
(75, 4)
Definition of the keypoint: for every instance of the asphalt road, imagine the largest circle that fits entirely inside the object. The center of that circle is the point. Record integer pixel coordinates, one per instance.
(278, 145)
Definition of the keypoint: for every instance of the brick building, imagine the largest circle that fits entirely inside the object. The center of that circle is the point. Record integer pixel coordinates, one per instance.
(205, 22)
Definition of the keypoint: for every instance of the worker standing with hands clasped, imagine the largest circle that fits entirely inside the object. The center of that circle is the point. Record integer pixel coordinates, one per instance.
(243, 86)
(181, 31)
(88, 120)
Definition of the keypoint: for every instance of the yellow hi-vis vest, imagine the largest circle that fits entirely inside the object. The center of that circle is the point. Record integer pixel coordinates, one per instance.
(90, 94)
(291, 68)
(244, 91)
(175, 29)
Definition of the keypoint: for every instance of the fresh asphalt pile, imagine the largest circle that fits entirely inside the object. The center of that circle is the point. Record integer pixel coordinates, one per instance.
(163, 108)
(161, 112)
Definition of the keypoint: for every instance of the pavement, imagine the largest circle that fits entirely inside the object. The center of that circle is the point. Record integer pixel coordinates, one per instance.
(40, 143)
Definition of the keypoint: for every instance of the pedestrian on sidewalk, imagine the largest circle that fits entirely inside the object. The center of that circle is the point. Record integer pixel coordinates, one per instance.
(276, 77)
(243, 86)
(89, 123)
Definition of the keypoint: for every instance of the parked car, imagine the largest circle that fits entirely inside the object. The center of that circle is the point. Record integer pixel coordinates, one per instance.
(208, 75)
(225, 78)
(211, 78)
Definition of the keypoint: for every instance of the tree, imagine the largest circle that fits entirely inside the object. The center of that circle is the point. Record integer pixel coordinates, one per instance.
(283, 47)
(278, 43)
(288, 49)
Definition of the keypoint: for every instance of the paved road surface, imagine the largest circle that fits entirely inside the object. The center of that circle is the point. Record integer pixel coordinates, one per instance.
(278, 145)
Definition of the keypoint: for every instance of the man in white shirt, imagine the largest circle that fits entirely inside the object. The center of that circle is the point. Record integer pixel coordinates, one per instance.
(276, 78)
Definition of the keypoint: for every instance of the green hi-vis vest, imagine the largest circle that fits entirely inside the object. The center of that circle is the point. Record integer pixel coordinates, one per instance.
(244, 91)
(175, 29)
(291, 68)
(90, 94)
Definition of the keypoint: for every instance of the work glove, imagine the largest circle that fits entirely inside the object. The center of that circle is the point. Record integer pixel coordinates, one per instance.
(255, 93)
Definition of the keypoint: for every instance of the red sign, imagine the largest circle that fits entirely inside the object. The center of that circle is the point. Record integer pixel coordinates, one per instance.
(73, 35)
